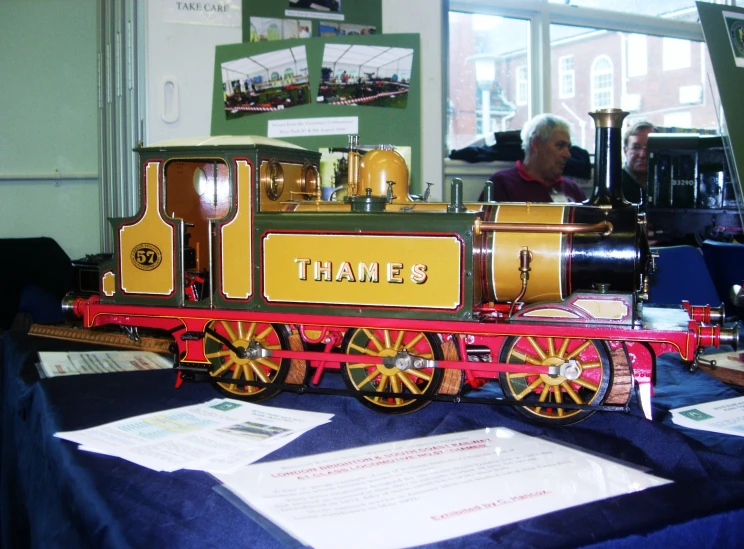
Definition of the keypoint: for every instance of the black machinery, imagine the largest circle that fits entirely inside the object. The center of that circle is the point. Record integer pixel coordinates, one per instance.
(691, 194)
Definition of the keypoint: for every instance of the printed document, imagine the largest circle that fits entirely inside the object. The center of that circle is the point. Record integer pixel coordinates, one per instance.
(722, 416)
(427, 490)
(99, 362)
(220, 435)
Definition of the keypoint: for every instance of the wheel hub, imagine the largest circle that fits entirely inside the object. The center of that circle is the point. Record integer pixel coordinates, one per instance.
(387, 370)
(242, 356)
(552, 380)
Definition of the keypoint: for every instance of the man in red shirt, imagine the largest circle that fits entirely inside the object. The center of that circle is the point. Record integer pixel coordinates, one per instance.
(546, 140)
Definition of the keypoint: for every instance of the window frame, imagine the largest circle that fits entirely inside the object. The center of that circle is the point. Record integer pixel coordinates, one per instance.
(596, 90)
(562, 74)
(522, 95)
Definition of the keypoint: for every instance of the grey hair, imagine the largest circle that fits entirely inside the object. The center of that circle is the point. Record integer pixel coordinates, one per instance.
(637, 128)
(542, 127)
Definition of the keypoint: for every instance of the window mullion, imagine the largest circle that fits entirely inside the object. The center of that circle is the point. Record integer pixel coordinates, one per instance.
(621, 21)
(546, 70)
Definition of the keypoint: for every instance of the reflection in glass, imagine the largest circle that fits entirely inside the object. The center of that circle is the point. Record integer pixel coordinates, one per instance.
(590, 68)
(625, 70)
(488, 76)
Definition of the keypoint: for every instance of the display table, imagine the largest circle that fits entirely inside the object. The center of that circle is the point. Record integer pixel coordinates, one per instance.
(54, 495)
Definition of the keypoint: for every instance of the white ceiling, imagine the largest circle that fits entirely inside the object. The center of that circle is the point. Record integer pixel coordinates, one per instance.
(368, 57)
(260, 64)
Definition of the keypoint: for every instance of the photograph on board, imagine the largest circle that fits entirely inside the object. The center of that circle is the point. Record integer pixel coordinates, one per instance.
(353, 30)
(326, 28)
(264, 29)
(318, 5)
(269, 81)
(735, 30)
(373, 76)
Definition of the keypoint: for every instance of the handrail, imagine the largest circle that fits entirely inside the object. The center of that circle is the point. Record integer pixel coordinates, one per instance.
(605, 228)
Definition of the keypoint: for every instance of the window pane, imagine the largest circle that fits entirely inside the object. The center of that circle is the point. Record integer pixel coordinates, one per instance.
(488, 76)
(637, 55)
(676, 54)
(567, 76)
(627, 71)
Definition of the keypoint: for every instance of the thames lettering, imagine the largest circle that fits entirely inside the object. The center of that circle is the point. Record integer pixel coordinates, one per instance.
(326, 271)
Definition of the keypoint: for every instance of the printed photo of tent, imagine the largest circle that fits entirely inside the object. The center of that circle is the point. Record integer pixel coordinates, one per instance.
(374, 76)
(266, 82)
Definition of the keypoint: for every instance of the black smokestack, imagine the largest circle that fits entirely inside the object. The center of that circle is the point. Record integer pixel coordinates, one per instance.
(608, 172)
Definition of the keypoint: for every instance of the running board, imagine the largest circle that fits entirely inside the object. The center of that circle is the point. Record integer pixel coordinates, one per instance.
(107, 339)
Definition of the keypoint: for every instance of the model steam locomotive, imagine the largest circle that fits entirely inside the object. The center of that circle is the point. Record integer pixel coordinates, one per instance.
(266, 288)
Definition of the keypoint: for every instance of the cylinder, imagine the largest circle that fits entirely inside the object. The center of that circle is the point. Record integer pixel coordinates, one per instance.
(367, 203)
(608, 173)
(561, 263)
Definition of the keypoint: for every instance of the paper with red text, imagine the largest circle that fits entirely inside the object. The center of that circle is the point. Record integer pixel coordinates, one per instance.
(427, 490)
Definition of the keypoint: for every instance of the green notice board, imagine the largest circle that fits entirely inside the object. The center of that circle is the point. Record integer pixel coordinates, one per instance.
(723, 28)
(316, 92)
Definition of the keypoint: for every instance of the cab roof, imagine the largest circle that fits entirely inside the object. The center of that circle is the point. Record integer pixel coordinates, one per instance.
(221, 141)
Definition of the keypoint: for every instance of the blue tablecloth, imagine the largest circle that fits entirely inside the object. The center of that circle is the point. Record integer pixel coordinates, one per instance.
(54, 495)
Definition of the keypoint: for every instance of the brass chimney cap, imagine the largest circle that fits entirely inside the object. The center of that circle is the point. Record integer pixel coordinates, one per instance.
(609, 118)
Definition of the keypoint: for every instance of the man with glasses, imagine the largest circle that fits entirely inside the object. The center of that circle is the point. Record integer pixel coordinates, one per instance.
(635, 174)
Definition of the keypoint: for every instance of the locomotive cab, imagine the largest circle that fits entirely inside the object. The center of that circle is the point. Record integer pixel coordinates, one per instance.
(199, 197)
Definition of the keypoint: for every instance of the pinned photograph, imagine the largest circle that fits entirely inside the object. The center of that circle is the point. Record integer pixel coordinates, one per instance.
(271, 81)
(328, 29)
(356, 30)
(264, 29)
(373, 76)
(318, 5)
(735, 30)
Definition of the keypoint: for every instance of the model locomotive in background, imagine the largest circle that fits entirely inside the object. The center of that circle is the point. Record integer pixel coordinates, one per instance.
(265, 287)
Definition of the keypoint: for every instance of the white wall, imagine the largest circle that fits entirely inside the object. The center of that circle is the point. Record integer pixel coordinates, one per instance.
(426, 18)
(67, 211)
(180, 60)
(48, 122)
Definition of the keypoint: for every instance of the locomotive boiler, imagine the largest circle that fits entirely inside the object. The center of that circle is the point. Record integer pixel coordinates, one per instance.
(264, 287)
